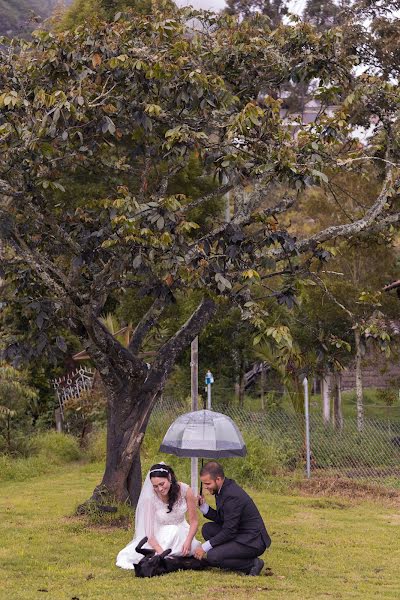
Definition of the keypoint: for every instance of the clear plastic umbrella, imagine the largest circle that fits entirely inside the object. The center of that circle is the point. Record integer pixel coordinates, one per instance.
(205, 434)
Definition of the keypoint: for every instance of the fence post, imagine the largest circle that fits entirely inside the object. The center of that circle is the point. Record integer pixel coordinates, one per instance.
(59, 420)
(307, 424)
(326, 400)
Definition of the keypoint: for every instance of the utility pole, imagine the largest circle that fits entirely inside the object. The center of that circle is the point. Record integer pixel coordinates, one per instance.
(194, 381)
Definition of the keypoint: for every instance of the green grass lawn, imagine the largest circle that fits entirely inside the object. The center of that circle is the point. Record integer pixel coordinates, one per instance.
(322, 548)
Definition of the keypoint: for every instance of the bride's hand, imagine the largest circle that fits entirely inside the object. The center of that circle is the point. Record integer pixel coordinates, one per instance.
(186, 547)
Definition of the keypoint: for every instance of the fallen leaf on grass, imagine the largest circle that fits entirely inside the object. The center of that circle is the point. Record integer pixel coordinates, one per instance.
(42, 590)
(281, 577)
(90, 576)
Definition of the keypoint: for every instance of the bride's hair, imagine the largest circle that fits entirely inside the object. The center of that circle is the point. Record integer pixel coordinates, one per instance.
(159, 470)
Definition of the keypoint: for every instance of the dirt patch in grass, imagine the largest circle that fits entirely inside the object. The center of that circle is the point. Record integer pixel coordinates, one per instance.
(330, 503)
(347, 488)
(392, 519)
(100, 523)
(219, 591)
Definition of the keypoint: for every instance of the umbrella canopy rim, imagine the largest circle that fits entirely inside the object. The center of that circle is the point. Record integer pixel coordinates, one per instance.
(223, 449)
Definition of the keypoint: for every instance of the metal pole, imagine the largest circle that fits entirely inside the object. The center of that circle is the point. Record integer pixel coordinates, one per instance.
(59, 420)
(209, 396)
(194, 380)
(307, 422)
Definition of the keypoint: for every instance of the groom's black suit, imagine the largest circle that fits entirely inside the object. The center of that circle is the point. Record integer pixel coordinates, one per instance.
(237, 534)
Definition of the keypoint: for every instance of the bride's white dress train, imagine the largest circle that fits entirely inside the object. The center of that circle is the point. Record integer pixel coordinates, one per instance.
(169, 528)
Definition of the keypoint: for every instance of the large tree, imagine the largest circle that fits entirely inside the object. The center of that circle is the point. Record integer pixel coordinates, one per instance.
(97, 125)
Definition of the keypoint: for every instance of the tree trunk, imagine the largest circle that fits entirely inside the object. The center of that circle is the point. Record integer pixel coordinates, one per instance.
(262, 386)
(126, 426)
(237, 392)
(132, 388)
(326, 400)
(242, 383)
(359, 382)
(135, 477)
(236, 362)
(337, 403)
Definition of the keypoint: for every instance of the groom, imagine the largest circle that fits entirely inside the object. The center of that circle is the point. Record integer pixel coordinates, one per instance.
(237, 536)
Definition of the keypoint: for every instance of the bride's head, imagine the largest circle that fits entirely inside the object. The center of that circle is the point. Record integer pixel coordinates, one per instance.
(164, 483)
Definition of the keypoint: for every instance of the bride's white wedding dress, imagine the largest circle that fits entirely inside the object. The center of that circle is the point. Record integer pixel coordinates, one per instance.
(170, 529)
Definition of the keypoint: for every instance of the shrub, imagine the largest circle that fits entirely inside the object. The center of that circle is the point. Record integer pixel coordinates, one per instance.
(262, 462)
(55, 447)
(19, 444)
(96, 446)
(19, 469)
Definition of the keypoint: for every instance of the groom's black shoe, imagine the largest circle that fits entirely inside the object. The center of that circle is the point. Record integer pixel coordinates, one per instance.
(256, 568)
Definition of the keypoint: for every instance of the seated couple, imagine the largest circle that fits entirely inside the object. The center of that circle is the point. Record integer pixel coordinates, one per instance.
(235, 538)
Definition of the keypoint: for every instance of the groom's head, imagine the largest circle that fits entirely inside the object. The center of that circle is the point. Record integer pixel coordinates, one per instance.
(212, 476)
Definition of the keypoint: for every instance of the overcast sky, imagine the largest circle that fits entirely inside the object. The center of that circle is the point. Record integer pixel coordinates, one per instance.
(296, 6)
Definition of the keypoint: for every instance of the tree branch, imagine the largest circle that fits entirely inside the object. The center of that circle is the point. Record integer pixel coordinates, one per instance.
(7, 190)
(146, 324)
(45, 266)
(331, 296)
(58, 231)
(36, 265)
(111, 358)
(348, 230)
(220, 191)
(241, 219)
(168, 353)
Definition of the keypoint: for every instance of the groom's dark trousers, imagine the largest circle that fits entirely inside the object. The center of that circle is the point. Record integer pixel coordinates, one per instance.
(237, 534)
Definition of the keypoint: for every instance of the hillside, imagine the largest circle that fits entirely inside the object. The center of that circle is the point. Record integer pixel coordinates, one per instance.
(19, 17)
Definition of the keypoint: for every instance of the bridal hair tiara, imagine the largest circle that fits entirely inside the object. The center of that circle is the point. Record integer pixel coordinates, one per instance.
(158, 470)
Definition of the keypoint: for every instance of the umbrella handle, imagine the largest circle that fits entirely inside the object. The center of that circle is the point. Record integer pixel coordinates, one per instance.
(201, 483)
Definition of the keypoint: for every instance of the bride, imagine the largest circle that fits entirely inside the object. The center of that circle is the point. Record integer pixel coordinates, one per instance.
(160, 516)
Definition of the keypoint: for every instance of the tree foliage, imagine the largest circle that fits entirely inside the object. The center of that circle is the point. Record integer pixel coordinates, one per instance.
(98, 127)
(84, 11)
(17, 399)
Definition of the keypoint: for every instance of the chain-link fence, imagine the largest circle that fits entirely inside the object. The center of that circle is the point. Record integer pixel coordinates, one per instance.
(371, 455)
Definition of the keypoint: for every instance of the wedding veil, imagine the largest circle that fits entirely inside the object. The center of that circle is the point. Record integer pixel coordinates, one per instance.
(144, 516)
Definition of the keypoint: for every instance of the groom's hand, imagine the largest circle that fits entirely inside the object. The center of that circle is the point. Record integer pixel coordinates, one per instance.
(199, 553)
(200, 500)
